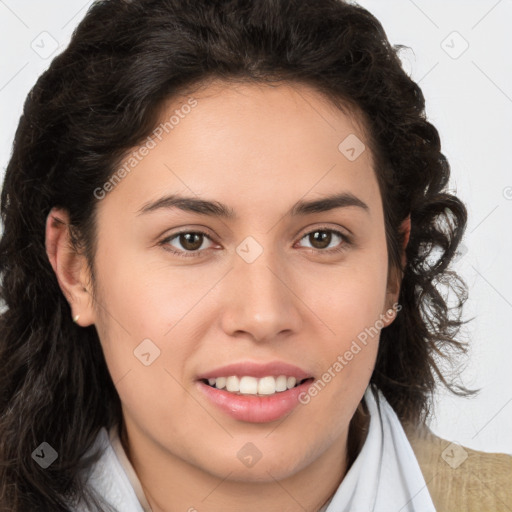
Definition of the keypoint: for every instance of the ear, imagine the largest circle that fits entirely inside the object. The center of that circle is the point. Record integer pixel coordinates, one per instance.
(395, 276)
(70, 267)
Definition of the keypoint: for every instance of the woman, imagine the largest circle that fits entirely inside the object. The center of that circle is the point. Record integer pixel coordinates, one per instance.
(225, 225)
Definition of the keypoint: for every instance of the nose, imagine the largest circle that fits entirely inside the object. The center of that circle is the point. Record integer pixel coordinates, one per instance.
(259, 299)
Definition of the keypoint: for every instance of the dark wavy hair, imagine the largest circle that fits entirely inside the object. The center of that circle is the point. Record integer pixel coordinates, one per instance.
(101, 97)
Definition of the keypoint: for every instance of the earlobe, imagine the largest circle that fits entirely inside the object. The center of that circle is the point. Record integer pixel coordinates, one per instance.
(69, 267)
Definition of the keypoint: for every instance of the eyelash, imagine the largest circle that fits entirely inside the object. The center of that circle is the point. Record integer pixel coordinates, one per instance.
(191, 254)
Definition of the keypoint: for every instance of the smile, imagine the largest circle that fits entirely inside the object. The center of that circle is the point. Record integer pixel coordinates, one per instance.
(248, 385)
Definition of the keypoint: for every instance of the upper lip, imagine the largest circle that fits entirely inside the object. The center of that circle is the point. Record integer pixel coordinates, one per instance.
(257, 370)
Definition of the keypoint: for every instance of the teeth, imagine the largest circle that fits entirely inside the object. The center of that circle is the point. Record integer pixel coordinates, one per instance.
(281, 383)
(233, 383)
(267, 386)
(248, 385)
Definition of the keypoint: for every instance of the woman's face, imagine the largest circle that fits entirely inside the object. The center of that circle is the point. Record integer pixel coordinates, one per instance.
(272, 289)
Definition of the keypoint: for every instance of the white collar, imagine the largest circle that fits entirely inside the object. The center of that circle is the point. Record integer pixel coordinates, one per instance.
(386, 475)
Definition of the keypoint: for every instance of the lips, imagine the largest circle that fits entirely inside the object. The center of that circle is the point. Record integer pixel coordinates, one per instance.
(255, 392)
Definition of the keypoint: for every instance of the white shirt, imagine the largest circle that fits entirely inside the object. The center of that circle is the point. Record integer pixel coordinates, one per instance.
(385, 477)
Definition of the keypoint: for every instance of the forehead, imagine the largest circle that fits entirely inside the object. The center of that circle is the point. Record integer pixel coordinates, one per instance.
(252, 143)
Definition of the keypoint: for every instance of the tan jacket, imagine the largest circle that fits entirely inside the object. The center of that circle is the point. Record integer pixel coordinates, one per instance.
(460, 479)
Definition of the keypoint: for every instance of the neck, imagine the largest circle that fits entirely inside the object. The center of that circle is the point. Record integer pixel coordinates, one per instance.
(171, 484)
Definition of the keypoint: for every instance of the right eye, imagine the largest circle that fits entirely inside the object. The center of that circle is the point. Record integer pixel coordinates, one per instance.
(190, 241)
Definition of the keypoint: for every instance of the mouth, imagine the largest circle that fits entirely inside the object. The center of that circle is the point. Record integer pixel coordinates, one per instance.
(255, 392)
(247, 405)
(249, 385)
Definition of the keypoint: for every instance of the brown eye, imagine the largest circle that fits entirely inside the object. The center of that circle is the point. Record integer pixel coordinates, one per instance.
(321, 240)
(191, 241)
(185, 243)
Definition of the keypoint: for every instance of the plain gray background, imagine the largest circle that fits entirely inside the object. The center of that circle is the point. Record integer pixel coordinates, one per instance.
(460, 55)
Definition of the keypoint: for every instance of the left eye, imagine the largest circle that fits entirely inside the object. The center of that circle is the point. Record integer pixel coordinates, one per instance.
(323, 237)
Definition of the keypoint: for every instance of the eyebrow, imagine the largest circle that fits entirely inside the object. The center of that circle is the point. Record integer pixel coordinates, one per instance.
(217, 209)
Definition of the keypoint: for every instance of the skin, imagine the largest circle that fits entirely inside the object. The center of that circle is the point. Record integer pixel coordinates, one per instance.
(257, 149)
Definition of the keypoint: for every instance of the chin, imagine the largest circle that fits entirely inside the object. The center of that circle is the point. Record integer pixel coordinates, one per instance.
(250, 464)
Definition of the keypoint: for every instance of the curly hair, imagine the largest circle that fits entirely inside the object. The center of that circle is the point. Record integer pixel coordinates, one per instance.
(101, 97)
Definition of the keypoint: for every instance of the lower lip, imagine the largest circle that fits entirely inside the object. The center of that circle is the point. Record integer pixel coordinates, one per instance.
(252, 408)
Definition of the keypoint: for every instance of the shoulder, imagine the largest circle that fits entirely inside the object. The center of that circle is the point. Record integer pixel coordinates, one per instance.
(459, 478)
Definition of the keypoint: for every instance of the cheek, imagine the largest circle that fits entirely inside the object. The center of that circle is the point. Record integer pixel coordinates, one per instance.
(147, 299)
(349, 304)
(348, 300)
(148, 308)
